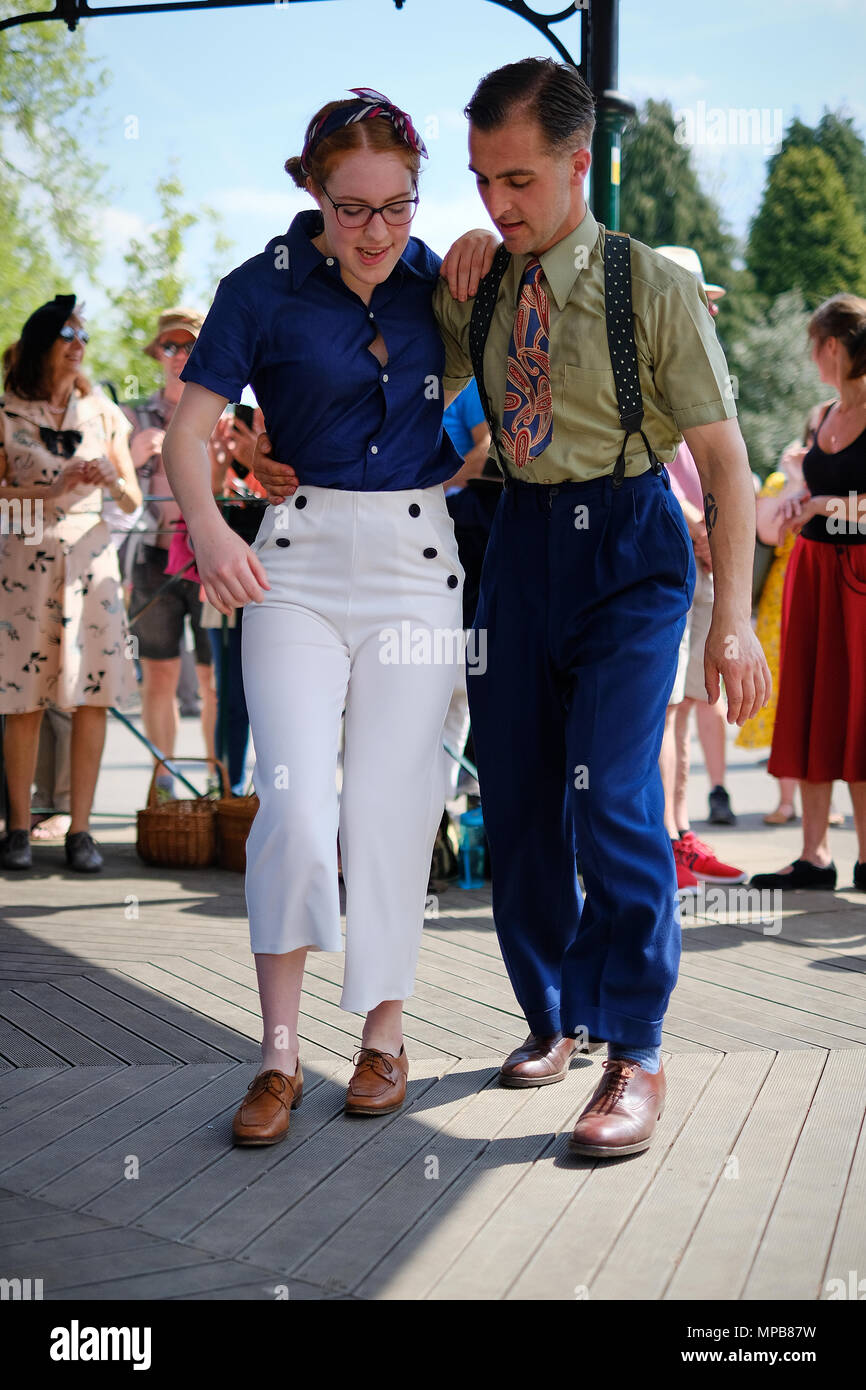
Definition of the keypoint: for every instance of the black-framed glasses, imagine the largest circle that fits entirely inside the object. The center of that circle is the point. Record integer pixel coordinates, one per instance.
(172, 349)
(396, 214)
(70, 334)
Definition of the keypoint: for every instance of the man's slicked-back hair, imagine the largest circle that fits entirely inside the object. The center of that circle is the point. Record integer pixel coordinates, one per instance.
(553, 94)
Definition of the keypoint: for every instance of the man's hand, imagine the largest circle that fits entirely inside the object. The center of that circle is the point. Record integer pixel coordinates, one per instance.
(733, 653)
(467, 262)
(231, 573)
(278, 479)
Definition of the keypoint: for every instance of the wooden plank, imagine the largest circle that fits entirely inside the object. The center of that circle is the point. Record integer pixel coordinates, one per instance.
(776, 991)
(641, 1262)
(178, 1272)
(55, 1090)
(793, 1253)
(333, 1191)
(691, 1024)
(717, 1260)
(182, 1046)
(563, 1218)
(199, 1027)
(266, 1211)
(23, 1144)
(695, 1003)
(436, 1237)
(239, 1170)
(20, 1049)
(64, 1041)
(848, 1251)
(378, 1223)
(19, 1079)
(105, 1154)
(130, 1047)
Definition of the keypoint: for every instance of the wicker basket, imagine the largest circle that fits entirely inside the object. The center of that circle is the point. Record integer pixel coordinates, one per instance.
(234, 816)
(179, 834)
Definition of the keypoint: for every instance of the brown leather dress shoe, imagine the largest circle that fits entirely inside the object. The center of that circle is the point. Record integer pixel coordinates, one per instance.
(622, 1113)
(264, 1115)
(541, 1061)
(378, 1085)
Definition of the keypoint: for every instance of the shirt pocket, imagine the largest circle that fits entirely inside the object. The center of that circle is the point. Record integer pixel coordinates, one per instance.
(588, 410)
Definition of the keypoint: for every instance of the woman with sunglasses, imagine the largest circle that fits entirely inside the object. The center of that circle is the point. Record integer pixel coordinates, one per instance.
(353, 587)
(63, 636)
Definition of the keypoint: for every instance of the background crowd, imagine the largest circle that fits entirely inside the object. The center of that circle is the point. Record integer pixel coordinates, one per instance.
(98, 601)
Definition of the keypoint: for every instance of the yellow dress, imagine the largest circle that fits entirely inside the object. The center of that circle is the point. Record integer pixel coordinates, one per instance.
(758, 731)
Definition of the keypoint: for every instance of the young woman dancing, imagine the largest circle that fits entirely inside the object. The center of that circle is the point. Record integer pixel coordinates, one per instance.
(352, 587)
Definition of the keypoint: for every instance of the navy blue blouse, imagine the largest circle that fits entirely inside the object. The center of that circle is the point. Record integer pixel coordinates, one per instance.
(285, 323)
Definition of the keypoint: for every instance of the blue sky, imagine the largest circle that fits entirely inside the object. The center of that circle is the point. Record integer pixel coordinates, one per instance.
(226, 95)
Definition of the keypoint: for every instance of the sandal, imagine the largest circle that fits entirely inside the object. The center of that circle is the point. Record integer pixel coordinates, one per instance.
(783, 815)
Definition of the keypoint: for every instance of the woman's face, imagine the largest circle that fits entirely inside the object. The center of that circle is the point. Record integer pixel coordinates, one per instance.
(827, 356)
(366, 178)
(65, 355)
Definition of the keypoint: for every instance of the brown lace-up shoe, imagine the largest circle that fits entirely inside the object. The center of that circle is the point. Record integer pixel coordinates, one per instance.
(378, 1085)
(623, 1112)
(541, 1061)
(265, 1112)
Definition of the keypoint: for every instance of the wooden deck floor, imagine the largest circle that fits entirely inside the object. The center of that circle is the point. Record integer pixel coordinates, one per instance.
(129, 1029)
(128, 1032)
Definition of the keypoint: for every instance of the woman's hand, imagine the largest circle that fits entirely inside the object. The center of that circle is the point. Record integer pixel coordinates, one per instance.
(71, 476)
(231, 573)
(100, 472)
(278, 479)
(793, 512)
(468, 261)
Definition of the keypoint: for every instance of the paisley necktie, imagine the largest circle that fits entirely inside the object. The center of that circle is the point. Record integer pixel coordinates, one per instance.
(527, 421)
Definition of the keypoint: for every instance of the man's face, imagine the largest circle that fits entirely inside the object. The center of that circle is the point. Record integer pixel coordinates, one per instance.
(174, 348)
(533, 196)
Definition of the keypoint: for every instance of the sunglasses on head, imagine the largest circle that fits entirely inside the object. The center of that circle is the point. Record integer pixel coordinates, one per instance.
(172, 349)
(70, 334)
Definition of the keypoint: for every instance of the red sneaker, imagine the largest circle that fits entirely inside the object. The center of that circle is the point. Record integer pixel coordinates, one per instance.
(701, 861)
(687, 884)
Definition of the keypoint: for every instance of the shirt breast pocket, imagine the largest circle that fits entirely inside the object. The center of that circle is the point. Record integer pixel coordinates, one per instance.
(588, 408)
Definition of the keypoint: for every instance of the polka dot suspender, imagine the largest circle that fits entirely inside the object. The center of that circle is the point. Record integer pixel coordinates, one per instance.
(479, 327)
(621, 346)
(620, 339)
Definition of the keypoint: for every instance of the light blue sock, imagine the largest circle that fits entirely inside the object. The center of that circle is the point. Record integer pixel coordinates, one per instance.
(650, 1058)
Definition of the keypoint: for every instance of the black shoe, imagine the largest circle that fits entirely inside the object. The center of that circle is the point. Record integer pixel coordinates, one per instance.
(860, 876)
(82, 854)
(720, 808)
(16, 852)
(803, 875)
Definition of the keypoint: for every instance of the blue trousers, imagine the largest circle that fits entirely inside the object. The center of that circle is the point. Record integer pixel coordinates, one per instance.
(584, 597)
(230, 686)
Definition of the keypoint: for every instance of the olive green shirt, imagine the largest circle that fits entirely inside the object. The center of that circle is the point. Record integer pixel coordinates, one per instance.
(683, 374)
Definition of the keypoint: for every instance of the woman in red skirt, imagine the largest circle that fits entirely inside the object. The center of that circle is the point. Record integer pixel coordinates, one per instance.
(820, 731)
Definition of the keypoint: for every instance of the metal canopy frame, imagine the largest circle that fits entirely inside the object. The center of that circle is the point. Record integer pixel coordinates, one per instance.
(71, 12)
(598, 65)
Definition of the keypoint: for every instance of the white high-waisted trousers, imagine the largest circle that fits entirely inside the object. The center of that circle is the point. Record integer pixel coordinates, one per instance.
(363, 613)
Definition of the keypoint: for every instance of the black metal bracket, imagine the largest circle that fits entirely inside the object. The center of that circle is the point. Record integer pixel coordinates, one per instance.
(71, 12)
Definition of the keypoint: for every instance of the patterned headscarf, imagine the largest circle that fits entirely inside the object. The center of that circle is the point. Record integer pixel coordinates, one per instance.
(369, 105)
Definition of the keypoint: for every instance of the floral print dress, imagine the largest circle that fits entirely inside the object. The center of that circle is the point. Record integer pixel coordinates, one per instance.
(63, 630)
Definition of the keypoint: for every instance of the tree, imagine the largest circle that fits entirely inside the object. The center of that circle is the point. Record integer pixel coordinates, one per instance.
(807, 234)
(663, 204)
(836, 136)
(156, 279)
(48, 86)
(777, 381)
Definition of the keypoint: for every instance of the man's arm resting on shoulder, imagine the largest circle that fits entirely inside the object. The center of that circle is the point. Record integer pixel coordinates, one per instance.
(732, 649)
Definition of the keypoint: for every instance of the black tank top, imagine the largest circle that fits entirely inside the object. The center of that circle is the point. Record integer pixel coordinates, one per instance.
(836, 475)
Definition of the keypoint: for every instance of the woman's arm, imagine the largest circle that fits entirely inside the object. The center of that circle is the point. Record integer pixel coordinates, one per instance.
(129, 497)
(231, 574)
